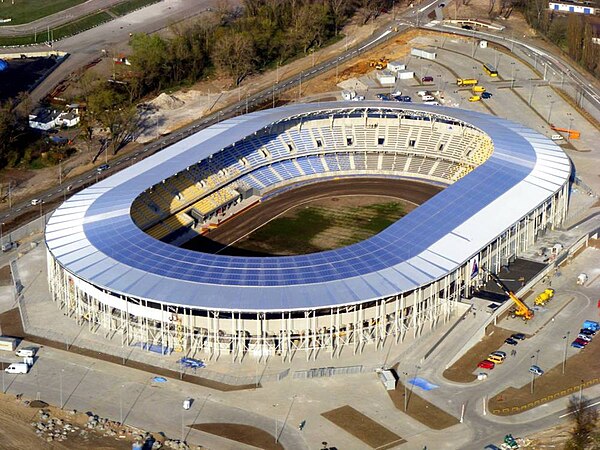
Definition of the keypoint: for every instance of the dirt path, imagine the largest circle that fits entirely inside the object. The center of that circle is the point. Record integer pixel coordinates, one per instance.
(240, 225)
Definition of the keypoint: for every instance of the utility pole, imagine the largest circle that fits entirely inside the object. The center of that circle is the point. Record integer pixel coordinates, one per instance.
(564, 364)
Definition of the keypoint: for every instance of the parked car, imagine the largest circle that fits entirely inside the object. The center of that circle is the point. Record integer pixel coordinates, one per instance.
(584, 337)
(396, 93)
(576, 344)
(431, 102)
(518, 336)
(103, 167)
(510, 341)
(486, 364)
(8, 246)
(427, 79)
(428, 98)
(587, 332)
(405, 98)
(536, 370)
(496, 359)
(491, 447)
(499, 353)
(581, 341)
(486, 95)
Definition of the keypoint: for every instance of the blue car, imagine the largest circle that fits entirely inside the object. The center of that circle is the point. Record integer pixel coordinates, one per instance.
(486, 95)
(577, 344)
(404, 98)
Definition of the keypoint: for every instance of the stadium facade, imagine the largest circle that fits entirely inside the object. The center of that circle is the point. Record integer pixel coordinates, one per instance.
(113, 262)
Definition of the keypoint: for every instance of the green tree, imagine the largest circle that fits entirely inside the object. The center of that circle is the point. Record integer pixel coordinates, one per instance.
(149, 59)
(10, 124)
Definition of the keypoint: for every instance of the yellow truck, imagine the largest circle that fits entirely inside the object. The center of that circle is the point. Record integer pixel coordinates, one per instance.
(466, 81)
(474, 98)
(478, 89)
(544, 297)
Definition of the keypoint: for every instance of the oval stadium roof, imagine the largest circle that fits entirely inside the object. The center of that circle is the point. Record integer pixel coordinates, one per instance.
(93, 236)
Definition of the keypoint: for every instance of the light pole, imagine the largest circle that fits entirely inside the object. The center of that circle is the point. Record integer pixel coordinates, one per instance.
(532, 379)
(570, 126)
(121, 404)
(550, 111)
(580, 393)
(405, 390)
(1, 234)
(566, 338)
(182, 426)
(61, 388)
(512, 77)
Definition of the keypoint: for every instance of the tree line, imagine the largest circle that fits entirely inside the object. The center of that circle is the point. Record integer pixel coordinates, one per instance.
(573, 33)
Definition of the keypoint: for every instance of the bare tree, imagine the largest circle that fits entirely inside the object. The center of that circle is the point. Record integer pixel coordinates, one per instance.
(584, 434)
(233, 53)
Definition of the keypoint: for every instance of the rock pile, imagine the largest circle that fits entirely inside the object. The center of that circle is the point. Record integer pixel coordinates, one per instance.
(54, 429)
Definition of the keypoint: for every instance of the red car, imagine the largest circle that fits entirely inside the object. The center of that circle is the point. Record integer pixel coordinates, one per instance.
(581, 341)
(485, 364)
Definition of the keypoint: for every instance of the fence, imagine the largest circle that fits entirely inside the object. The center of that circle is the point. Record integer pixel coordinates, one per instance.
(327, 372)
(540, 401)
(30, 228)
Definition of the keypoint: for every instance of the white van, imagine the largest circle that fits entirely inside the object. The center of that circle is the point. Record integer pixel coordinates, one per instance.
(428, 98)
(26, 352)
(17, 368)
(556, 137)
(36, 201)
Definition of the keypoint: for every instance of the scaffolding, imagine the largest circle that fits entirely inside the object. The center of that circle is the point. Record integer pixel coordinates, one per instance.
(239, 334)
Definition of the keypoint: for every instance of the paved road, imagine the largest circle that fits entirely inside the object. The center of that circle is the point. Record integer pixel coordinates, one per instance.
(585, 91)
(57, 19)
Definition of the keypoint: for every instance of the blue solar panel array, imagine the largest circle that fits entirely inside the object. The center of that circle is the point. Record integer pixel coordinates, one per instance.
(132, 252)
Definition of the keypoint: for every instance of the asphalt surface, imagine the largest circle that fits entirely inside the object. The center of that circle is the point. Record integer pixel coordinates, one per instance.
(242, 224)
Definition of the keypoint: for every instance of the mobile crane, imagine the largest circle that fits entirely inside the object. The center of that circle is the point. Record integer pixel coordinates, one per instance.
(522, 310)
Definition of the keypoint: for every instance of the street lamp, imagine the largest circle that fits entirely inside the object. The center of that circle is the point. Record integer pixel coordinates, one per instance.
(550, 111)
(566, 338)
(61, 388)
(1, 234)
(405, 390)
(532, 379)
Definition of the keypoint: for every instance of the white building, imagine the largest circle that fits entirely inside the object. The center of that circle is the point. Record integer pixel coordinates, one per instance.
(386, 78)
(405, 74)
(573, 7)
(43, 119)
(67, 119)
(396, 66)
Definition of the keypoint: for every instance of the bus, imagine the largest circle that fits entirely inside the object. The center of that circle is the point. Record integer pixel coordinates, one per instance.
(490, 70)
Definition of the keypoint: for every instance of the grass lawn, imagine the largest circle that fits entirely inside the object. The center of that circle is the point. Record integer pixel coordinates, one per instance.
(25, 11)
(322, 226)
(71, 28)
(131, 5)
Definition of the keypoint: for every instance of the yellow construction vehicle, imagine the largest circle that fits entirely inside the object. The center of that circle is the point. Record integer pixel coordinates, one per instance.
(521, 309)
(544, 297)
(474, 98)
(466, 81)
(379, 64)
(478, 89)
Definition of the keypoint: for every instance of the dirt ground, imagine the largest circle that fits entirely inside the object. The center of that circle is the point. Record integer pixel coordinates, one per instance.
(10, 324)
(241, 433)
(582, 370)
(5, 276)
(420, 409)
(462, 370)
(363, 428)
(16, 430)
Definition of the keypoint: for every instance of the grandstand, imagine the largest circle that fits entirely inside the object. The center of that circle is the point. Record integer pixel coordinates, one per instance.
(107, 263)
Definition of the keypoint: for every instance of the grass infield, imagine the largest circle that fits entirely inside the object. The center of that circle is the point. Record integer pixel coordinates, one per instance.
(25, 11)
(323, 225)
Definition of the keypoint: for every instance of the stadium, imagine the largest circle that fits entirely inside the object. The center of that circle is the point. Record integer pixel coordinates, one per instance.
(116, 261)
